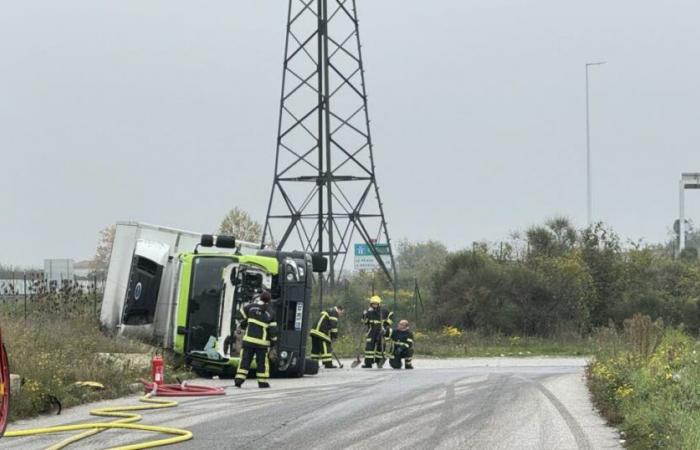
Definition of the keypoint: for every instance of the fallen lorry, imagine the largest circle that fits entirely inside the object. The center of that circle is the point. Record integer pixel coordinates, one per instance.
(181, 290)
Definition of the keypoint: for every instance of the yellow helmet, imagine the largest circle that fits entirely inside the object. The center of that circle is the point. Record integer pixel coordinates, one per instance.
(375, 299)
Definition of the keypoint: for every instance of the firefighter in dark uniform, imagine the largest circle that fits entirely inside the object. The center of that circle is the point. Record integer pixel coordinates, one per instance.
(260, 332)
(402, 341)
(378, 321)
(323, 335)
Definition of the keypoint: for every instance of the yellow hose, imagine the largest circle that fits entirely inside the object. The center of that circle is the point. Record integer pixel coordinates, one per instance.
(126, 421)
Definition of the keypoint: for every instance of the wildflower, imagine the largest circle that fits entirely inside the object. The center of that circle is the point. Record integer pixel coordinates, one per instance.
(624, 391)
(451, 331)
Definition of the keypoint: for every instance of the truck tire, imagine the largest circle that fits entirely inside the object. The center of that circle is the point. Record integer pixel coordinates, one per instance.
(310, 367)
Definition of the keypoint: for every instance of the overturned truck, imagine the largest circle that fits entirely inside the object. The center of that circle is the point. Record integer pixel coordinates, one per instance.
(181, 290)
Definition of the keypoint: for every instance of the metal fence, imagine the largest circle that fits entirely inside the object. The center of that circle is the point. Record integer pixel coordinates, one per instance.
(31, 293)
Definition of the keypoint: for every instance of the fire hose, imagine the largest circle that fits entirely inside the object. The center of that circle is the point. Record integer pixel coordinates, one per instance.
(127, 417)
(181, 390)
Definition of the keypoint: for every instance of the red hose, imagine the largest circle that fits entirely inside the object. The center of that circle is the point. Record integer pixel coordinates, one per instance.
(181, 390)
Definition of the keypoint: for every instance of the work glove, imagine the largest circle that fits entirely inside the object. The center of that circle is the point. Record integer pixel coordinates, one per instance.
(272, 355)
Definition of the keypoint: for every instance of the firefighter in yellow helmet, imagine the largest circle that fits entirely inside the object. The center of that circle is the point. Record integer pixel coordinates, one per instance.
(378, 321)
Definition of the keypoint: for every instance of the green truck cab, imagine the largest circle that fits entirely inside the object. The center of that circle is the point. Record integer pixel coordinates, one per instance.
(214, 286)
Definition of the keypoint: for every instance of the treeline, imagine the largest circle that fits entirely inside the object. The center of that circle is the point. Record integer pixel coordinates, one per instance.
(550, 280)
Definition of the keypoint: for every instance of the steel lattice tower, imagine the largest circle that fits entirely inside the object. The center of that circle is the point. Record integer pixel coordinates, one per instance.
(325, 196)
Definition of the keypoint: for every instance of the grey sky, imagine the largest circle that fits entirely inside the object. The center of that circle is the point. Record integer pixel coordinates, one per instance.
(166, 111)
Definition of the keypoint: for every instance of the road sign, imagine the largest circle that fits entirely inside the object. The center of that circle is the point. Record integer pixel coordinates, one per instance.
(365, 260)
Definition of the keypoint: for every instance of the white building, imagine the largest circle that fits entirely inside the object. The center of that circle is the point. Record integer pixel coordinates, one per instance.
(57, 270)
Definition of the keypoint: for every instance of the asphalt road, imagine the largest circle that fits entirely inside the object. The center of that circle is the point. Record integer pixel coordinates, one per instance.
(499, 403)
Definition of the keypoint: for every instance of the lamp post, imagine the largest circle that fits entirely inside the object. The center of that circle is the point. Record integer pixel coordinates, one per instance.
(588, 148)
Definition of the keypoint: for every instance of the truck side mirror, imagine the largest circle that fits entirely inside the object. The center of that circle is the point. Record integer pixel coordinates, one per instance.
(319, 263)
(207, 240)
(223, 241)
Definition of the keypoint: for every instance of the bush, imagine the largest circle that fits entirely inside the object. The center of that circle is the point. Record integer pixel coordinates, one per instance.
(545, 297)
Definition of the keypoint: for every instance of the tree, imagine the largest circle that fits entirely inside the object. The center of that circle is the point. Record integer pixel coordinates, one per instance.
(602, 252)
(239, 224)
(413, 257)
(100, 262)
(555, 238)
(419, 261)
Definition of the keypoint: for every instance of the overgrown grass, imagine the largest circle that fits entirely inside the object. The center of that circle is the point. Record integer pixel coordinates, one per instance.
(649, 387)
(51, 352)
(453, 343)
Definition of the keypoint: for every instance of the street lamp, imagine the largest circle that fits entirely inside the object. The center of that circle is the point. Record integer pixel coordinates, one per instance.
(588, 147)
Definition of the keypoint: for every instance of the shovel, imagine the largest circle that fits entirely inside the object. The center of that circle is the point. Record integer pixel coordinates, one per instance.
(340, 364)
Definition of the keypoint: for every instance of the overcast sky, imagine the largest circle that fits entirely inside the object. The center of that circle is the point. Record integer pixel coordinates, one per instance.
(165, 111)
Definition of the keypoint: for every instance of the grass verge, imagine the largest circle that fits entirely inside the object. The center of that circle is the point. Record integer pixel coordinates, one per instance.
(452, 343)
(650, 388)
(51, 353)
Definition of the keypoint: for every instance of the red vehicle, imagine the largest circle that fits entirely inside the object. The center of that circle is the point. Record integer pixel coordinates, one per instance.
(4, 387)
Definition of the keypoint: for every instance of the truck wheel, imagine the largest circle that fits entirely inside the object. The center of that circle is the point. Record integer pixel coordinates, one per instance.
(311, 367)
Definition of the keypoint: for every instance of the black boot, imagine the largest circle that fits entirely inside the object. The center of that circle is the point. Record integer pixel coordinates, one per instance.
(368, 363)
(238, 382)
(263, 384)
(408, 365)
(329, 365)
(380, 363)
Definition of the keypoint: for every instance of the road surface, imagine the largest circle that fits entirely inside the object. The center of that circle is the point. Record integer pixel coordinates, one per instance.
(481, 403)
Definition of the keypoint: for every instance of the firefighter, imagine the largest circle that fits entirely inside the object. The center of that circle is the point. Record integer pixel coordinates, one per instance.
(378, 321)
(402, 341)
(323, 335)
(260, 332)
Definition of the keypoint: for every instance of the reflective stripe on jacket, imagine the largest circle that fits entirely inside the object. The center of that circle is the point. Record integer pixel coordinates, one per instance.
(402, 338)
(260, 328)
(327, 326)
(376, 318)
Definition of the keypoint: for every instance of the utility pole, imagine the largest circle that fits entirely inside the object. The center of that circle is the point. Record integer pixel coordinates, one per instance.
(324, 194)
(588, 150)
